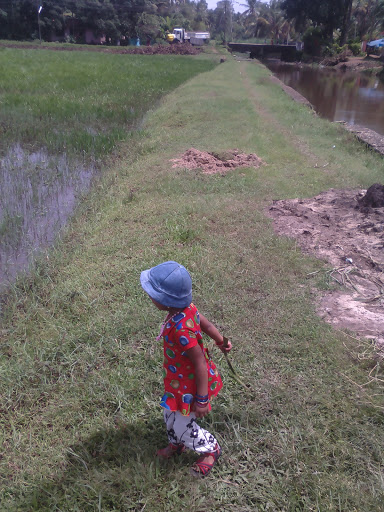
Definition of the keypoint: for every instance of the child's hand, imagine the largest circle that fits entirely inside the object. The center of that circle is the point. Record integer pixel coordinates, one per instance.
(200, 411)
(225, 347)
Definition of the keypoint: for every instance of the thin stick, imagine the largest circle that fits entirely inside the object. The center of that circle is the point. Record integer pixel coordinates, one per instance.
(235, 376)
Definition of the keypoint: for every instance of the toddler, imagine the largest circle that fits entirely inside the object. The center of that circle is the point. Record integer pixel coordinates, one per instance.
(191, 379)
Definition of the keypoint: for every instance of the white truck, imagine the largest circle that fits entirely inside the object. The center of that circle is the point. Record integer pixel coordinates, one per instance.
(180, 35)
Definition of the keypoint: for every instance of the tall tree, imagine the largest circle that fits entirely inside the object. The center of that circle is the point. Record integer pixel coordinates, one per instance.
(368, 17)
(327, 13)
(201, 16)
(222, 19)
(252, 8)
(346, 21)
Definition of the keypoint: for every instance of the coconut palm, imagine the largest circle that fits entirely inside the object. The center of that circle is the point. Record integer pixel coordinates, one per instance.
(368, 16)
(253, 7)
(275, 19)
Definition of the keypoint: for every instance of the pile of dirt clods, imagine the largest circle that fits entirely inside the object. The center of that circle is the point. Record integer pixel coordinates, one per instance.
(155, 49)
(345, 228)
(374, 198)
(212, 163)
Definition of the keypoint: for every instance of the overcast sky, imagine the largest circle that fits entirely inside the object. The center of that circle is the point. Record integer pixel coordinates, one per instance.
(237, 4)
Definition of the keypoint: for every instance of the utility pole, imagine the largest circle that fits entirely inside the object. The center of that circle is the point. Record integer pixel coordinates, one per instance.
(225, 21)
(228, 23)
(13, 20)
(38, 20)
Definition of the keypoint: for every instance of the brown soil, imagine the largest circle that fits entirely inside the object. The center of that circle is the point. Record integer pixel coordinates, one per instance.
(360, 63)
(345, 229)
(374, 198)
(156, 49)
(213, 163)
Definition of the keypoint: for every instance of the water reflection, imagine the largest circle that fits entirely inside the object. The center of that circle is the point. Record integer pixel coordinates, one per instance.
(335, 95)
(38, 194)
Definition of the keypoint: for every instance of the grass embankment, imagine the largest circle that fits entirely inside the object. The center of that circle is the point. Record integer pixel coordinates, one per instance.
(81, 372)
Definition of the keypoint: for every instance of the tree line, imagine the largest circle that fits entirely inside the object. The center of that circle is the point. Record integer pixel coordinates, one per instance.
(121, 20)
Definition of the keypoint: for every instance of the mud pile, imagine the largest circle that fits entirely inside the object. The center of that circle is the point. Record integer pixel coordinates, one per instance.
(374, 198)
(156, 49)
(212, 163)
(165, 49)
(346, 229)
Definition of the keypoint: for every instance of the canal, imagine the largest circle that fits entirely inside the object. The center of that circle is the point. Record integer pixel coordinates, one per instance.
(352, 97)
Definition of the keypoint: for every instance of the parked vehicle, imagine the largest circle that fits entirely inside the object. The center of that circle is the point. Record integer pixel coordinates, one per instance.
(180, 35)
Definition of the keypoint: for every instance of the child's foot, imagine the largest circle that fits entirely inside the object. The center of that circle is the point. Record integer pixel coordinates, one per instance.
(204, 465)
(170, 450)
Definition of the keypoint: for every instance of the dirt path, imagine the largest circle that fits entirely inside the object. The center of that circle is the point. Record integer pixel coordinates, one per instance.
(332, 226)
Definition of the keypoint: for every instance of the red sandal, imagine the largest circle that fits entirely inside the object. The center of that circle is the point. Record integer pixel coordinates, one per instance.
(170, 450)
(201, 468)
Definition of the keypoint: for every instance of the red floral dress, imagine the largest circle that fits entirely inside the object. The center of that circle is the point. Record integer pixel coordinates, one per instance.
(180, 333)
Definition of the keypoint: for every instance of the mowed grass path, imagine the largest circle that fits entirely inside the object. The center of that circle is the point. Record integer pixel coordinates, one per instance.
(81, 370)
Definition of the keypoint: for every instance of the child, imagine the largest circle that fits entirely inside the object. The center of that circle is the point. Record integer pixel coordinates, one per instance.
(190, 377)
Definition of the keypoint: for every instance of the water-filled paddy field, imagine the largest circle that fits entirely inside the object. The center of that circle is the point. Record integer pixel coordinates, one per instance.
(62, 114)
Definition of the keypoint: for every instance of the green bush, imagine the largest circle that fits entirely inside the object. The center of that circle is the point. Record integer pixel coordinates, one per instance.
(334, 49)
(355, 48)
(314, 39)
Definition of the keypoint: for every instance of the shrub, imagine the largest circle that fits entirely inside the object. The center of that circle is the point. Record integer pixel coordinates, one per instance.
(355, 48)
(314, 38)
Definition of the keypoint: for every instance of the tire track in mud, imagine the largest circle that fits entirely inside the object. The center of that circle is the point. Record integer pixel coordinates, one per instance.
(300, 145)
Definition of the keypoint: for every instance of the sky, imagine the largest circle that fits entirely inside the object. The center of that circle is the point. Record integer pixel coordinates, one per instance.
(237, 4)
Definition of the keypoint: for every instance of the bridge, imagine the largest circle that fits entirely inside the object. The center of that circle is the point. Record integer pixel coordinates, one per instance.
(286, 52)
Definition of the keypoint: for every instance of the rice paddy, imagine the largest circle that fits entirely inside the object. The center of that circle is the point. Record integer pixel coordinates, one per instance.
(62, 115)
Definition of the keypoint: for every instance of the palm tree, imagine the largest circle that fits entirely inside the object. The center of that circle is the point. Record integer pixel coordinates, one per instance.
(369, 16)
(252, 8)
(274, 16)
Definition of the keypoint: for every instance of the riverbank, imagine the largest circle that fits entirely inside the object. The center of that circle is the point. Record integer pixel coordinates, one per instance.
(369, 137)
(343, 96)
(361, 64)
(81, 372)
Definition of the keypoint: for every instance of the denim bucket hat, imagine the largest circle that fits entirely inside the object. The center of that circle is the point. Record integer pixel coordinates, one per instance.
(169, 284)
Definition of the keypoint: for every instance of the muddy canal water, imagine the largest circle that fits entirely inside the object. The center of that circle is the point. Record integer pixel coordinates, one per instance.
(355, 98)
(38, 194)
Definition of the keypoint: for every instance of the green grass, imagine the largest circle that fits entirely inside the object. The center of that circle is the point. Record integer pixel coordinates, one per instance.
(81, 372)
(82, 102)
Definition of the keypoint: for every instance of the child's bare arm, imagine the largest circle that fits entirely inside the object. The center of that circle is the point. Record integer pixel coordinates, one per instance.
(197, 358)
(210, 330)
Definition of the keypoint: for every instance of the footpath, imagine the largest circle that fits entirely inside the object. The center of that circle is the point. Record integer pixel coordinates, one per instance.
(81, 371)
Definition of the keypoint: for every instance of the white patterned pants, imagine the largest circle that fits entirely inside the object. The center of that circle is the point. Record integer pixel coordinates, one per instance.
(185, 430)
